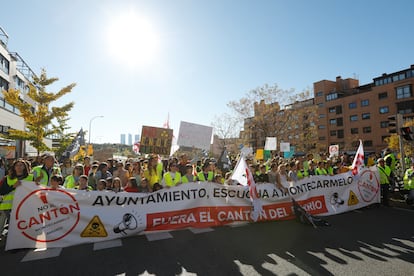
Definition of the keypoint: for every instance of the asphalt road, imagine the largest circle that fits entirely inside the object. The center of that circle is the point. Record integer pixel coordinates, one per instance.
(370, 241)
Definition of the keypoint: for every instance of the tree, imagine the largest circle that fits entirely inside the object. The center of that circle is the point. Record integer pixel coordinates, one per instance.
(39, 117)
(264, 117)
(244, 107)
(226, 127)
(65, 138)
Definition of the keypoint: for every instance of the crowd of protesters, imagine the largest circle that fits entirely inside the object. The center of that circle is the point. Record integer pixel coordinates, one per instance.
(150, 174)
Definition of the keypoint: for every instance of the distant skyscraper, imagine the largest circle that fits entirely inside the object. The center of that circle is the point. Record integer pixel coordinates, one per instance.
(123, 139)
(129, 139)
(136, 138)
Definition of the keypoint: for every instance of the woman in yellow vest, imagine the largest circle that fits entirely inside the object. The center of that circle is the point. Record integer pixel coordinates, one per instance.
(207, 173)
(409, 184)
(172, 177)
(71, 181)
(301, 172)
(189, 175)
(320, 169)
(151, 172)
(18, 172)
(384, 173)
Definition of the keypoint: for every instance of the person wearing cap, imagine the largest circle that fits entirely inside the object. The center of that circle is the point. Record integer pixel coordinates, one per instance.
(102, 172)
(384, 172)
(43, 173)
(188, 176)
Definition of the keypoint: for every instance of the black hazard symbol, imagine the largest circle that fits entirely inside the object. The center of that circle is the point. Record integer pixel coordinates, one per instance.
(353, 199)
(95, 228)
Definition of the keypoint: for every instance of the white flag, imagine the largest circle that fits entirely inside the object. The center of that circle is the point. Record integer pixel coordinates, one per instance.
(244, 176)
(74, 147)
(358, 162)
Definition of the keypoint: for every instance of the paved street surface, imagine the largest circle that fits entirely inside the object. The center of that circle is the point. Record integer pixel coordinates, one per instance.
(370, 241)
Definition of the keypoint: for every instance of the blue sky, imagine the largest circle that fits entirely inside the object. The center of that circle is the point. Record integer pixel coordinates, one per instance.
(188, 58)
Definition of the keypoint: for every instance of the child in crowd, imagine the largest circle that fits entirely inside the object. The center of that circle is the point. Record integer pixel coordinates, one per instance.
(109, 183)
(101, 185)
(132, 185)
(83, 183)
(144, 187)
(56, 182)
(156, 187)
(116, 185)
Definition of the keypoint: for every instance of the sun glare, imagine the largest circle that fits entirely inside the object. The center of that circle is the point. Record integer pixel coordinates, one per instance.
(132, 40)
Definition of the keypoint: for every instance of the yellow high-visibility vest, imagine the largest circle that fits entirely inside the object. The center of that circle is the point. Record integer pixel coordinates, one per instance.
(7, 202)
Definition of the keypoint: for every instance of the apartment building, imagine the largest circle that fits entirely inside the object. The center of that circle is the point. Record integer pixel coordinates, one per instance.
(16, 74)
(345, 112)
(348, 112)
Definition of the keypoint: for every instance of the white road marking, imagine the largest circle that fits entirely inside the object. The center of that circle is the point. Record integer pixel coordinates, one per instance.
(42, 253)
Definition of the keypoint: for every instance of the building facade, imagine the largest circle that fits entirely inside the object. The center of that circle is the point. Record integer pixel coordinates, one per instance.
(294, 124)
(342, 112)
(129, 139)
(348, 112)
(14, 74)
(123, 139)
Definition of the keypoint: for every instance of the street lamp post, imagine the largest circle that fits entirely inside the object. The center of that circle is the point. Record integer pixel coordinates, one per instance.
(89, 131)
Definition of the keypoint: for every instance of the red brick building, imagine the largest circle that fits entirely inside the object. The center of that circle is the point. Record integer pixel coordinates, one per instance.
(348, 112)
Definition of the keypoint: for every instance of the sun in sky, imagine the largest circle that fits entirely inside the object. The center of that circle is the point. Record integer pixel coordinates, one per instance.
(132, 39)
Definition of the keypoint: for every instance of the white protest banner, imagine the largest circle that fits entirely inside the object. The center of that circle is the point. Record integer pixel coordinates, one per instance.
(194, 136)
(285, 147)
(44, 218)
(271, 143)
(246, 151)
(333, 150)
